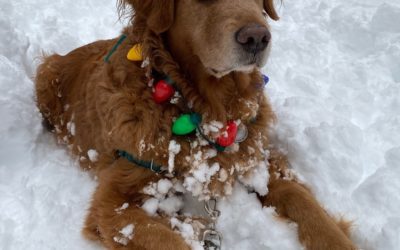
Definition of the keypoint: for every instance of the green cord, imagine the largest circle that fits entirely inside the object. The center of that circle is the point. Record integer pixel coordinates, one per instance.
(114, 48)
(144, 164)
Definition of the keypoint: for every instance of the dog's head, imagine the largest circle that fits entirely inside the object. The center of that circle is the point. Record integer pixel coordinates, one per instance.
(224, 35)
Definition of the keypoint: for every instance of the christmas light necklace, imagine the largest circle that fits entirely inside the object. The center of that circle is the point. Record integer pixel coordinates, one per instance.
(165, 88)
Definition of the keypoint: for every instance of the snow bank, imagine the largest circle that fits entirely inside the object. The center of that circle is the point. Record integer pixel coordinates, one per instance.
(335, 86)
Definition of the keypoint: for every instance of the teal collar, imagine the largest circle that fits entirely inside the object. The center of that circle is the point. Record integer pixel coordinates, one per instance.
(115, 47)
(144, 164)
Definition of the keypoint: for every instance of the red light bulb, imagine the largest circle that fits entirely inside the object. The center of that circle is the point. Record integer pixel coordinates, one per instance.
(229, 136)
(162, 91)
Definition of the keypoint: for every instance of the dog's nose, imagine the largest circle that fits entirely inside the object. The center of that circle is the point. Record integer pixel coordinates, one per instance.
(254, 38)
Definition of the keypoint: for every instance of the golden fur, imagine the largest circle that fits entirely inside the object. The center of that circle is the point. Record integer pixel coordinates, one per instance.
(91, 104)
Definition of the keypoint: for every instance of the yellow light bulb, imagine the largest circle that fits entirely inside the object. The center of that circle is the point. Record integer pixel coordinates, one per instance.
(135, 53)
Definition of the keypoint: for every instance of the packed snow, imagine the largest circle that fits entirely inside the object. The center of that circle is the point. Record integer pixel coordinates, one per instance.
(335, 87)
(125, 235)
(174, 148)
(122, 208)
(93, 155)
(165, 197)
(189, 230)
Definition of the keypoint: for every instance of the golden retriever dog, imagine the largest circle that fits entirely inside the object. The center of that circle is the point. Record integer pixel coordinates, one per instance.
(175, 105)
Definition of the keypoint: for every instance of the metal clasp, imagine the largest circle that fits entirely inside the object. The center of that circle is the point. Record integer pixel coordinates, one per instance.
(211, 237)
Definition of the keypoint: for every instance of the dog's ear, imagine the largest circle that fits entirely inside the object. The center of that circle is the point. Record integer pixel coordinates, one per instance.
(270, 9)
(159, 14)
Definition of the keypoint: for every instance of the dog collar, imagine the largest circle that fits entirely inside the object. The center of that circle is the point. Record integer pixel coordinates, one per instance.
(144, 164)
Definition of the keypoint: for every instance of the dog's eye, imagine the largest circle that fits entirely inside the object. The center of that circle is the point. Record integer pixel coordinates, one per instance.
(265, 14)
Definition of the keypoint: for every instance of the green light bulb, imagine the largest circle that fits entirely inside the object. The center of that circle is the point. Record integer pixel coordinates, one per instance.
(186, 124)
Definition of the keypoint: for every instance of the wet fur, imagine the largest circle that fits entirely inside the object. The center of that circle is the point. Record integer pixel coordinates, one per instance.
(111, 107)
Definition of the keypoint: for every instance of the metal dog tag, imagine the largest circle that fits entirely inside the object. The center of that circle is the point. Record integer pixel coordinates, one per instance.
(242, 133)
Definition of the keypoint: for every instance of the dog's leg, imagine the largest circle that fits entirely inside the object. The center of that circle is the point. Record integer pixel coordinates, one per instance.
(317, 230)
(48, 90)
(127, 227)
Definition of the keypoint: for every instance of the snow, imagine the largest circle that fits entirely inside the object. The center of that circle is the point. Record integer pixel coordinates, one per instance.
(189, 230)
(335, 87)
(127, 231)
(204, 172)
(150, 206)
(174, 148)
(257, 179)
(165, 197)
(171, 205)
(126, 235)
(122, 208)
(93, 155)
(164, 185)
(256, 227)
(71, 127)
